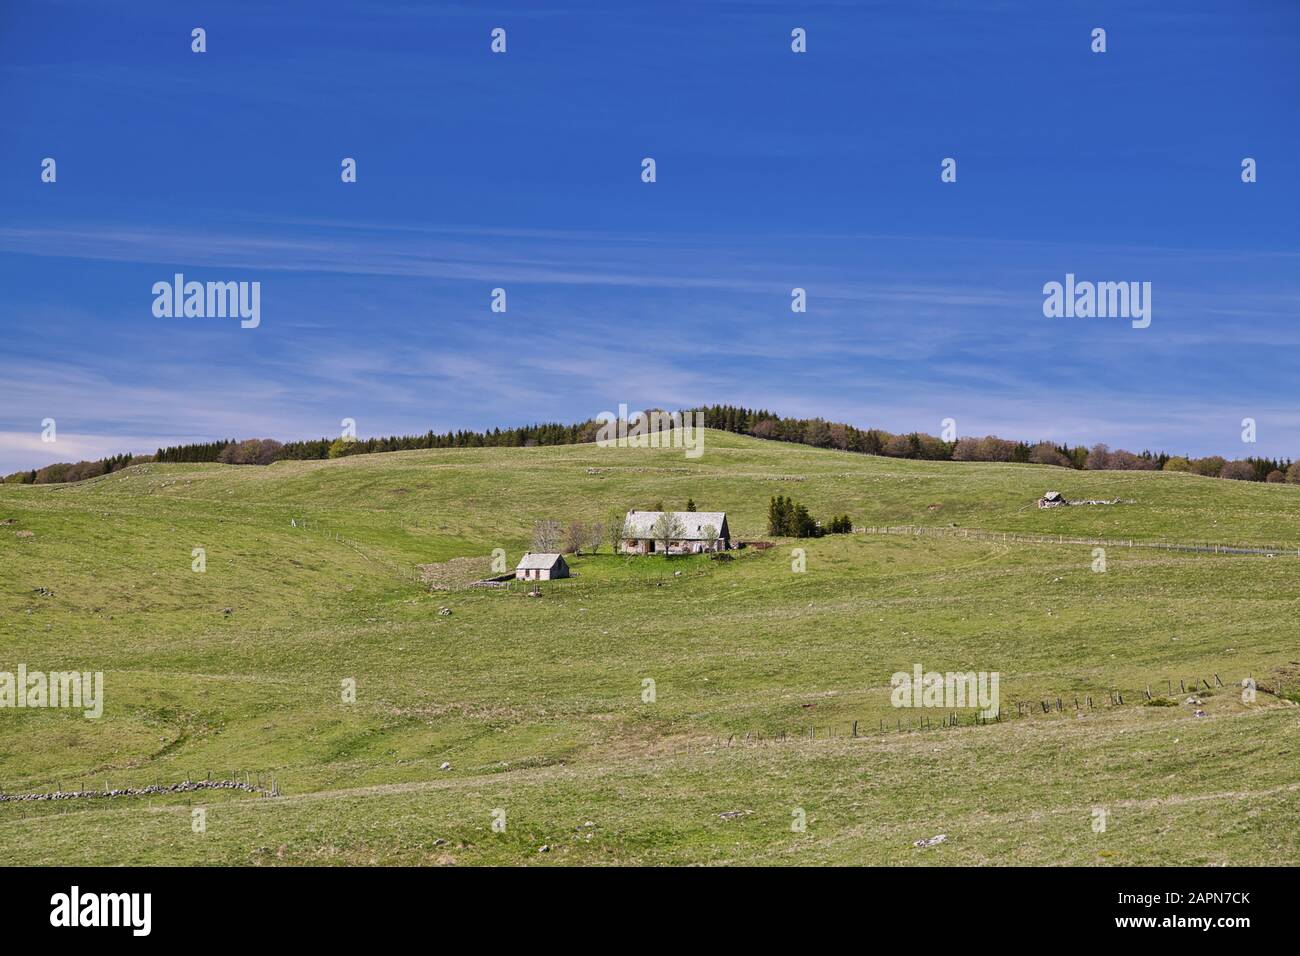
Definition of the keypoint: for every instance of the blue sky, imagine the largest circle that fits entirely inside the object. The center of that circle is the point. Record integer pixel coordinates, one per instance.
(522, 171)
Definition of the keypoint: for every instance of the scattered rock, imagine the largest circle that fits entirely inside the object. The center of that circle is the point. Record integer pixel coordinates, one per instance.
(734, 814)
(933, 841)
(444, 612)
(445, 766)
(9, 521)
(43, 592)
(544, 848)
(25, 534)
(1199, 713)
(227, 611)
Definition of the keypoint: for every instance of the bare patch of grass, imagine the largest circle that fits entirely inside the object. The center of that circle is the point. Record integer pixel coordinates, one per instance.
(456, 573)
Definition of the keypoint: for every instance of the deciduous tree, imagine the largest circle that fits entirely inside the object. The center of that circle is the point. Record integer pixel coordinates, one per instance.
(546, 536)
(667, 529)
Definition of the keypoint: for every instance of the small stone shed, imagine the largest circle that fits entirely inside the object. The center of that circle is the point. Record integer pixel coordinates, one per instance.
(541, 567)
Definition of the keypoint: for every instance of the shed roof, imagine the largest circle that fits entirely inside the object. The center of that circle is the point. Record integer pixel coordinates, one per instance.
(538, 562)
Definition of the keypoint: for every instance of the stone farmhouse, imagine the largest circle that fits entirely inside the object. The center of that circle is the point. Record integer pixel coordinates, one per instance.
(698, 531)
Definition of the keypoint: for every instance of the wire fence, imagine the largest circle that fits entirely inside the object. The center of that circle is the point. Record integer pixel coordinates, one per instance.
(1016, 537)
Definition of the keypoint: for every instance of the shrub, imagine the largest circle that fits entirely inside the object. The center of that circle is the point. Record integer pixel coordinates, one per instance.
(988, 448)
(1045, 453)
(1238, 470)
(788, 519)
(1121, 460)
(253, 451)
(52, 474)
(1210, 467)
(342, 447)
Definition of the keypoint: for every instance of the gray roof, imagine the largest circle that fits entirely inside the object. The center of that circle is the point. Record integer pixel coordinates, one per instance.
(638, 523)
(538, 562)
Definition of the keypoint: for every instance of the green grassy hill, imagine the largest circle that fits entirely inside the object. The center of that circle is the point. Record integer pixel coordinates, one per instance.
(759, 672)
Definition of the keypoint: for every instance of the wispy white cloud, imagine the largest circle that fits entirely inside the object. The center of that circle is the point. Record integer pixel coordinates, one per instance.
(660, 320)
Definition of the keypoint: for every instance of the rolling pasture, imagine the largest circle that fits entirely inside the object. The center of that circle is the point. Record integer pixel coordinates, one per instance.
(535, 704)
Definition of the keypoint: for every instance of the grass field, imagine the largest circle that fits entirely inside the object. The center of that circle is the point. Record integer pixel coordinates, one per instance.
(536, 703)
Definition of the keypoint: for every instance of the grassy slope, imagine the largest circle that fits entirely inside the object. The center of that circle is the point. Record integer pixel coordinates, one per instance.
(536, 703)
